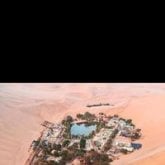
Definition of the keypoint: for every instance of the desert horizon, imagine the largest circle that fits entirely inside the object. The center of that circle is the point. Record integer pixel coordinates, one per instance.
(24, 106)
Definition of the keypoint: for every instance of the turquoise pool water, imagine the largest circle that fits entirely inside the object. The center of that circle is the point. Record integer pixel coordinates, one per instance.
(82, 129)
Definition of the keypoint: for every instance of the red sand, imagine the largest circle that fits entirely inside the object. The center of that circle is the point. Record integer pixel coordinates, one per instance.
(24, 106)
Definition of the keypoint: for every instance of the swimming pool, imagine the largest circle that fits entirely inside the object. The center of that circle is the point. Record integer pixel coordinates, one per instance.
(82, 129)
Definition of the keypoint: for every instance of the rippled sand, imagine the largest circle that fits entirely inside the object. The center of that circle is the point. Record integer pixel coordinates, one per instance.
(24, 106)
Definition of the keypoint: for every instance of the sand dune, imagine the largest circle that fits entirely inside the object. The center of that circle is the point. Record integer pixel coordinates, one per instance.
(148, 113)
(156, 159)
(24, 106)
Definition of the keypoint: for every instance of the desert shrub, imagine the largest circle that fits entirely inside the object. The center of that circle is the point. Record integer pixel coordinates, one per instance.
(136, 136)
(122, 119)
(124, 151)
(116, 115)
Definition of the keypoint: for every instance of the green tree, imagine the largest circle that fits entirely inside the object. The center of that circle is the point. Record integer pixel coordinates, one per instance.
(82, 143)
(129, 121)
(79, 115)
(57, 147)
(66, 155)
(65, 143)
(69, 118)
(108, 144)
(95, 158)
(89, 116)
(79, 152)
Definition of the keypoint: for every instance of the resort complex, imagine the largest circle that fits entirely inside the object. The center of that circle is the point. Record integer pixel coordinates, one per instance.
(88, 139)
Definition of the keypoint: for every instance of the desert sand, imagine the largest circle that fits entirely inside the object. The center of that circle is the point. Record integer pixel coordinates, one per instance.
(24, 106)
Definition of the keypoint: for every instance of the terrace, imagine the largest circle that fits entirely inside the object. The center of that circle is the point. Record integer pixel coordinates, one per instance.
(89, 145)
(53, 134)
(102, 137)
